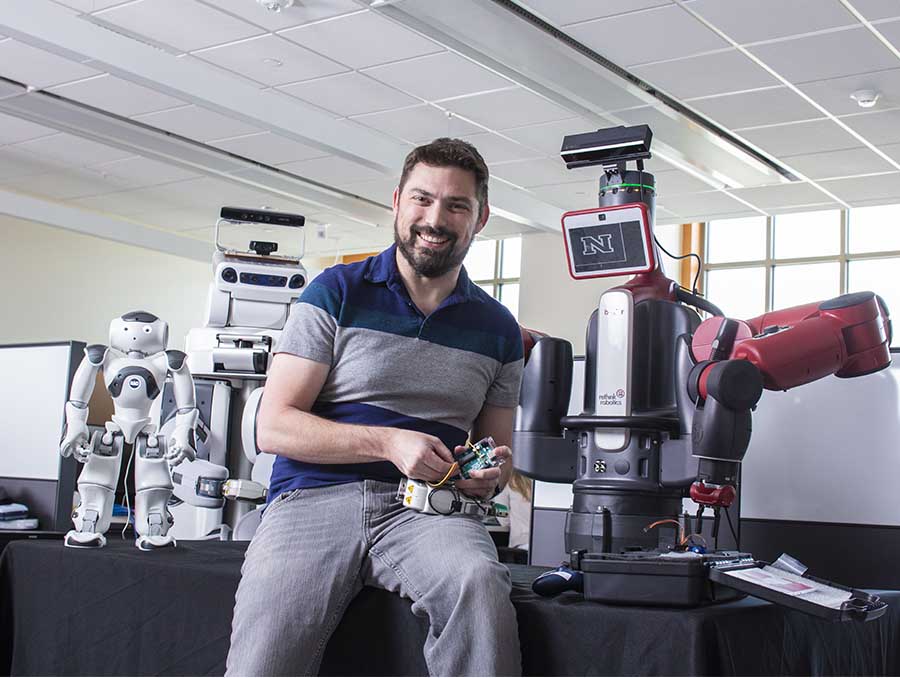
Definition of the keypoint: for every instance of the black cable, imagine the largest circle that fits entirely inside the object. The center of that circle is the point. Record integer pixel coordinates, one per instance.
(737, 539)
(684, 256)
(434, 492)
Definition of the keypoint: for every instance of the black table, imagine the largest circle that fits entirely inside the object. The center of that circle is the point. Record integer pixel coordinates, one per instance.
(118, 611)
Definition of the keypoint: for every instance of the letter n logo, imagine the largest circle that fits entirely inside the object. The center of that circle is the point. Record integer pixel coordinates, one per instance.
(597, 244)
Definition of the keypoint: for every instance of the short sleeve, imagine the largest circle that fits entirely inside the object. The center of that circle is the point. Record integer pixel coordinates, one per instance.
(310, 327)
(504, 391)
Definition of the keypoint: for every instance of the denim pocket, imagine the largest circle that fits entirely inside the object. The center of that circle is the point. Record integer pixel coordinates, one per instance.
(283, 498)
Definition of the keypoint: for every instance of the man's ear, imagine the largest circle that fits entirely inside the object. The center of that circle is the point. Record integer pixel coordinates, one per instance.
(483, 219)
(395, 202)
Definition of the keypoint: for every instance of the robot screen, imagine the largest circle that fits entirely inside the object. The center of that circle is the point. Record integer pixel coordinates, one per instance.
(252, 238)
(608, 241)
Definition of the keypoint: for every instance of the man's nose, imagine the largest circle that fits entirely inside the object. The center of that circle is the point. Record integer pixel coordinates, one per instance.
(434, 213)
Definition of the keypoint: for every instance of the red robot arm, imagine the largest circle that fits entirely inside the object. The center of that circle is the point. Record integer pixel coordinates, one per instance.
(848, 336)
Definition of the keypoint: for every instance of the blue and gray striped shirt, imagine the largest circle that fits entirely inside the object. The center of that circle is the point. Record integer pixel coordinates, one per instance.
(393, 366)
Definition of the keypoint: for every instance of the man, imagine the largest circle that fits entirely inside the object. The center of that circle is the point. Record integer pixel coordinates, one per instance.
(384, 367)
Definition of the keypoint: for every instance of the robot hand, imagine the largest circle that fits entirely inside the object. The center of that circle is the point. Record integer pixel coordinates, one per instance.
(180, 446)
(76, 439)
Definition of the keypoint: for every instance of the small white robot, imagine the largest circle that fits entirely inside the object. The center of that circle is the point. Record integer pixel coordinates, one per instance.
(135, 366)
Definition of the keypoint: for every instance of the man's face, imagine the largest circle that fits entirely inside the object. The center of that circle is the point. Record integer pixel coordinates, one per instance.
(436, 218)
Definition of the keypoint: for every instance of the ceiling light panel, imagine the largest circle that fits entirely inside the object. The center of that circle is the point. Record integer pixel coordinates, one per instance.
(116, 95)
(706, 75)
(507, 108)
(271, 60)
(268, 148)
(614, 37)
(448, 75)
(197, 123)
(752, 109)
(801, 137)
(575, 11)
(301, 13)
(834, 94)
(860, 189)
(37, 68)
(361, 40)
(880, 127)
(350, 94)
(185, 25)
(13, 130)
(417, 124)
(754, 20)
(827, 55)
(843, 163)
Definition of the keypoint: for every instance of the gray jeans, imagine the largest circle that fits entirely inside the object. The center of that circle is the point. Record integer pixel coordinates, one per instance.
(316, 548)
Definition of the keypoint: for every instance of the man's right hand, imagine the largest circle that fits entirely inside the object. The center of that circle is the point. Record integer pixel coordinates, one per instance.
(418, 455)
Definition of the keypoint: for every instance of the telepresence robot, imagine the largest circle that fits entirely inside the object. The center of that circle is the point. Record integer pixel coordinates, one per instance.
(257, 276)
(134, 366)
(667, 403)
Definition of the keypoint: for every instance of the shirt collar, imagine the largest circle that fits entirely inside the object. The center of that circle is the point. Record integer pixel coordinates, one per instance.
(383, 269)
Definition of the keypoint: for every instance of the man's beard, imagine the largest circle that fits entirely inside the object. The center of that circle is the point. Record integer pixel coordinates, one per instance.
(428, 263)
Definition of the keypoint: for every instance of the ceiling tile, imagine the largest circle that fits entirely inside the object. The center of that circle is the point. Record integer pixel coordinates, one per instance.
(708, 204)
(892, 151)
(580, 195)
(856, 190)
(137, 201)
(332, 170)
(573, 11)
(38, 68)
(845, 163)
(66, 184)
(350, 94)
(301, 13)
(781, 195)
(16, 163)
(498, 227)
(507, 108)
(541, 172)
(826, 55)
(417, 124)
(268, 148)
(377, 190)
(449, 75)
(801, 137)
(754, 20)
(891, 31)
(705, 75)
(834, 94)
(548, 137)
(880, 127)
(878, 9)
(13, 130)
(361, 40)
(271, 60)
(88, 6)
(140, 171)
(751, 109)
(676, 182)
(495, 149)
(197, 123)
(116, 95)
(73, 150)
(614, 37)
(183, 24)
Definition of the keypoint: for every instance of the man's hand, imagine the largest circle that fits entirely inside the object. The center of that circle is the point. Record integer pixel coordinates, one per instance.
(483, 483)
(418, 455)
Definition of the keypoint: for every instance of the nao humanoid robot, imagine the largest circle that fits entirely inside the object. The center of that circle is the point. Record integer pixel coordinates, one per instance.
(134, 366)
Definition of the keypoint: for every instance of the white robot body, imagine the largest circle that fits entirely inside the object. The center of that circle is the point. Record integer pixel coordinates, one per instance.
(134, 368)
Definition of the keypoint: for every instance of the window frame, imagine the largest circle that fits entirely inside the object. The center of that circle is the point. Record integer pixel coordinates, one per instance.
(497, 280)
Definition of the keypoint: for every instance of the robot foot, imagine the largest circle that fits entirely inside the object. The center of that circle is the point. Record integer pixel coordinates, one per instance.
(84, 540)
(152, 543)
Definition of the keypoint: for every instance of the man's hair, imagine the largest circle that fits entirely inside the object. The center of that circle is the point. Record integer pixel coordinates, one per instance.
(446, 152)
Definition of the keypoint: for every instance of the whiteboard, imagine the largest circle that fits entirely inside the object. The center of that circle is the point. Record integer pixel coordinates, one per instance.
(827, 452)
(32, 407)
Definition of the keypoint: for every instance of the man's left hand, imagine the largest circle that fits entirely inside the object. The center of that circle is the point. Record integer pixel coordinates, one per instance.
(482, 484)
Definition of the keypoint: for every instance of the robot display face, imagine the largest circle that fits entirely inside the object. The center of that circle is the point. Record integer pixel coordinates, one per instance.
(139, 331)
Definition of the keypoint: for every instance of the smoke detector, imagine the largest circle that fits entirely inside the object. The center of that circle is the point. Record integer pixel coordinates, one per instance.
(276, 5)
(866, 98)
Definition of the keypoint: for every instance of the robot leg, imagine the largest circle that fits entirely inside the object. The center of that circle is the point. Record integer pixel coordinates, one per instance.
(153, 486)
(97, 488)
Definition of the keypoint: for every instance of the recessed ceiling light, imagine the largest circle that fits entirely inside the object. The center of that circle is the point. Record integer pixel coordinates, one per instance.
(274, 63)
(866, 98)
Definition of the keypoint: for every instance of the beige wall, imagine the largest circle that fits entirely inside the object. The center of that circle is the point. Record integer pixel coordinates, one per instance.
(60, 285)
(549, 299)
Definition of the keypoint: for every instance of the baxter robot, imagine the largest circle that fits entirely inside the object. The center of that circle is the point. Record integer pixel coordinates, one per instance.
(667, 398)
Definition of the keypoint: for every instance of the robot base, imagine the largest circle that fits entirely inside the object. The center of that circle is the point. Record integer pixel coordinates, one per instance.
(84, 540)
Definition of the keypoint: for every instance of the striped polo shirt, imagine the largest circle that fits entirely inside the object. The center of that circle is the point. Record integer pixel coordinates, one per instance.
(393, 366)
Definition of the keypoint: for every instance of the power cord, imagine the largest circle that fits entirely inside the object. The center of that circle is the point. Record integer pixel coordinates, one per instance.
(684, 256)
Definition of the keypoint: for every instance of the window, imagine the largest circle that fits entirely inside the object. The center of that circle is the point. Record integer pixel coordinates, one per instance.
(495, 266)
(759, 264)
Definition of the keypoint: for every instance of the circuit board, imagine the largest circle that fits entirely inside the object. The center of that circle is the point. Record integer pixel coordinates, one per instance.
(476, 457)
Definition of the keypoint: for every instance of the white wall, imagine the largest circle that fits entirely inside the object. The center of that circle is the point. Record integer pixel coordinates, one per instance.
(60, 285)
(549, 299)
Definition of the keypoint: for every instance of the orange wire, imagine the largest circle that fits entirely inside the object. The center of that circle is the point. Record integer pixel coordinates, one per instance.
(681, 538)
(453, 468)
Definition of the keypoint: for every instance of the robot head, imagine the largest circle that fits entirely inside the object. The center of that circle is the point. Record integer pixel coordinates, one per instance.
(139, 331)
